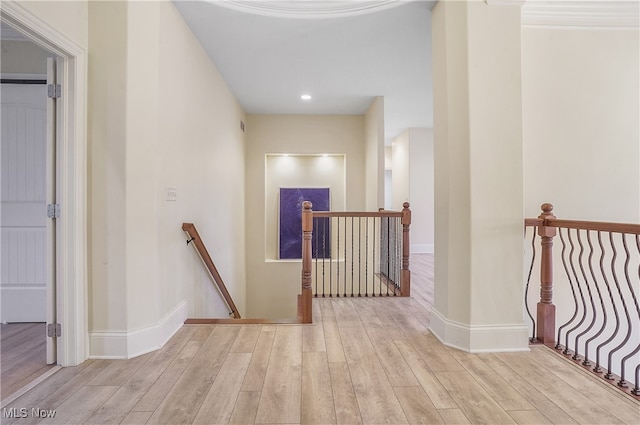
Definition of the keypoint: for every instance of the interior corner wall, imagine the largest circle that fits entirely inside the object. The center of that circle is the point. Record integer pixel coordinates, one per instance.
(107, 122)
(374, 154)
(273, 285)
(413, 182)
(422, 190)
(581, 132)
(151, 128)
(401, 163)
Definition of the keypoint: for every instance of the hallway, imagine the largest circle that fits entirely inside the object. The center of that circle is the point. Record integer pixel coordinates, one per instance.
(364, 360)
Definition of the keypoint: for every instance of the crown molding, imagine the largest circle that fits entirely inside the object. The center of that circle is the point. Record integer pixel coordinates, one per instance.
(582, 14)
(505, 2)
(309, 9)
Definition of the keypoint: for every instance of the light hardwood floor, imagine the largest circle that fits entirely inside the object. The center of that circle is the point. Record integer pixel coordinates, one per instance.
(23, 356)
(364, 360)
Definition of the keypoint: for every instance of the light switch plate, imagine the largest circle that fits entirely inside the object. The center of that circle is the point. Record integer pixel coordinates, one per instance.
(172, 194)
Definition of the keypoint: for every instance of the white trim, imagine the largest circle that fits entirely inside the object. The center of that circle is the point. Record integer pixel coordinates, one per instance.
(309, 9)
(71, 180)
(425, 248)
(505, 2)
(584, 14)
(125, 345)
(479, 338)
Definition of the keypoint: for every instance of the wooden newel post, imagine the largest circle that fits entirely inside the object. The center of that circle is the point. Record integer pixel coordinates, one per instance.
(305, 312)
(405, 277)
(546, 311)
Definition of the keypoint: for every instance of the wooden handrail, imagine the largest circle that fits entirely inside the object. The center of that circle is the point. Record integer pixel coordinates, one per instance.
(591, 288)
(194, 237)
(633, 229)
(381, 213)
(308, 215)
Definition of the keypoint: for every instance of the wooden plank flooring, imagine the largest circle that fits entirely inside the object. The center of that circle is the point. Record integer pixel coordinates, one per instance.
(23, 355)
(366, 361)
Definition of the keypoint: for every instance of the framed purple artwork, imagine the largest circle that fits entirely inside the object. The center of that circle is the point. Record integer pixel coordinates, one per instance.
(290, 241)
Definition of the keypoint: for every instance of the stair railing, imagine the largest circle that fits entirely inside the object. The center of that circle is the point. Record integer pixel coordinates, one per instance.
(194, 237)
(353, 254)
(601, 281)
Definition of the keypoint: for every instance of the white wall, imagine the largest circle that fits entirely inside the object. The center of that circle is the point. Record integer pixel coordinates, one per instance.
(160, 115)
(581, 126)
(413, 182)
(201, 153)
(478, 176)
(272, 286)
(581, 134)
(401, 161)
(374, 154)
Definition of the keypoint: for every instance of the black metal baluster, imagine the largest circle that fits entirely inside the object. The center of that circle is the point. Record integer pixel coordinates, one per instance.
(584, 304)
(526, 290)
(609, 375)
(597, 367)
(621, 383)
(324, 251)
(315, 239)
(330, 221)
(586, 362)
(636, 390)
(345, 257)
(388, 254)
(359, 253)
(373, 273)
(352, 255)
(392, 250)
(338, 259)
(573, 292)
(366, 259)
(398, 254)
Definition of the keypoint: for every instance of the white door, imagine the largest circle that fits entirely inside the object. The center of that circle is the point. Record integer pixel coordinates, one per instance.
(27, 176)
(23, 217)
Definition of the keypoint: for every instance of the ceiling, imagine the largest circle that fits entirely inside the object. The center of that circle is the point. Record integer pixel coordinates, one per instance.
(342, 53)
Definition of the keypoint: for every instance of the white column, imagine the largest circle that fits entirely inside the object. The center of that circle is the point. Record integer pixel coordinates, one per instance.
(478, 176)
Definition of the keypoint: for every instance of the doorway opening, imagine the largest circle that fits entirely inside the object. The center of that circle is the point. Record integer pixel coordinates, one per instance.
(65, 235)
(27, 264)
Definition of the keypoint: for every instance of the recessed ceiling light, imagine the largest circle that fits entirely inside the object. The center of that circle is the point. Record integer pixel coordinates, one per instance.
(305, 97)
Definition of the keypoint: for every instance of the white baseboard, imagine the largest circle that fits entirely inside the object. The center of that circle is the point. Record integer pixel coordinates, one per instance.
(426, 248)
(126, 345)
(479, 339)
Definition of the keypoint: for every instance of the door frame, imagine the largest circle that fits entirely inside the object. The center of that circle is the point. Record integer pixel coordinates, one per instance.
(71, 181)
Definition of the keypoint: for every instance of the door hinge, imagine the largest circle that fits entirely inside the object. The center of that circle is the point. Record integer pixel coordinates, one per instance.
(53, 210)
(54, 330)
(54, 91)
